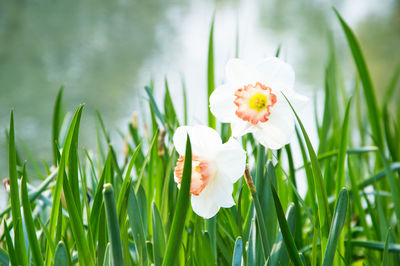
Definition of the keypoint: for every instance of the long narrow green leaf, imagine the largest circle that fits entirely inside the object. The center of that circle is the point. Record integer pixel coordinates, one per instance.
(47, 234)
(251, 250)
(137, 226)
(310, 180)
(107, 257)
(61, 256)
(286, 234)
(4, 259)
(78, 231)
(102, 127)
(169, 109)
(332, 153)
(182, 205)
(84, 253)
(369, 92)
(237, 253)
(98, 197)
(279, 255)
(101, 235)
(391, 137)
(323, 208)
(124, 191)
(30, 226)
(56, 126)
(390, 89)
(61, 172)
(381, 174)
(158, 236)
(14, 195)
(267, 201)
(298, 238)
(157, 110)
(210, 74)
(141, 173)
(211, 226)
(10, 246)
(125, 243)
(113, 227)
(261, 227)
(394, 186)
(185, 102)
(343, 150)
(339, 218)
(357, 200)
(376, 245)
(142, 205)
(385, 260)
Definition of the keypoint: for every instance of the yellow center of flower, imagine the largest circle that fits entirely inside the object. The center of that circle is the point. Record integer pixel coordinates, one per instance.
(258, 102)
(254, 103)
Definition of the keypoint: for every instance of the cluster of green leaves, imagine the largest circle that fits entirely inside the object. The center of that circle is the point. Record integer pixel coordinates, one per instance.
(125, 209)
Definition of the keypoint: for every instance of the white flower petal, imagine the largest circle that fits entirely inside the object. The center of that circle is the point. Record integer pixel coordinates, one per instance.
(273, 137)
(276, 73)
(222, 192)
(204, 206)
(231, 160)
(239, 73)
(240, 127)
(221, 103)
(216, 194)
(180, 139)
(277, 131)
(204, 140)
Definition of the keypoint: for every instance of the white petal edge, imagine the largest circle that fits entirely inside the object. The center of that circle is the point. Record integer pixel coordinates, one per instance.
(215, 195)
(240, 127)
(222, 190)
(204, 206)
(222, 103)
(273, 135)
(276, 73)
(204, 140)
(231, 160)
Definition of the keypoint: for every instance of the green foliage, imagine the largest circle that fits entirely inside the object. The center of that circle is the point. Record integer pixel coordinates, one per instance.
(182, 205)
(61, 256)
(283, 224)
(210, 73)
(339, 218)
(113, 227)
(110, 207)
(29, 225)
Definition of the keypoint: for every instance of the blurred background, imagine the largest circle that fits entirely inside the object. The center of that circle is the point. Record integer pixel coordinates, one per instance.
(105, 52)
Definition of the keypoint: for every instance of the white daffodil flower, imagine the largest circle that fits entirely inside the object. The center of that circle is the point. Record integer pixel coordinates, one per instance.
(252, 100)
(215, 168)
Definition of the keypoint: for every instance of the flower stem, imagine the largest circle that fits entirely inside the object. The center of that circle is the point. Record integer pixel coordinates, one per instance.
(260, 217)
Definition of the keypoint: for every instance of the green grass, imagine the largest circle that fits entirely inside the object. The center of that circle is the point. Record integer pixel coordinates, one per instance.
(123, 207)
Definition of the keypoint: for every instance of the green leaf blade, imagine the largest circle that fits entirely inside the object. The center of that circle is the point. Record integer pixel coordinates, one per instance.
(113, 227)
(369, 92)
(61, 256)
(30, 226)
(339, 218)
(181, 210)
(285, 229)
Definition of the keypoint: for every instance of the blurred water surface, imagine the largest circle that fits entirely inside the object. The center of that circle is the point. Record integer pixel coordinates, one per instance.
(104, 52)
